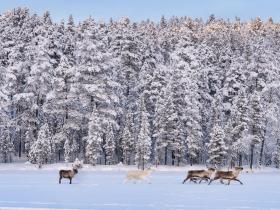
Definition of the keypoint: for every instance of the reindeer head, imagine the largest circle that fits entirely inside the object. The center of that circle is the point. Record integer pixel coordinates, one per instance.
(211, 169)
(75, 170)
(237, 168)
(151, 170)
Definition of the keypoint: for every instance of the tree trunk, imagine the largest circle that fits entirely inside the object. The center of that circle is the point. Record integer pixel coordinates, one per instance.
(10, 157)
(252, 157)
(126, 158)
(262, 146)
(263, 140)
(5, 157)
(173, 158)
(20, 145)
(261, 152)
(59, 154)
(240, 160)
(165, 157)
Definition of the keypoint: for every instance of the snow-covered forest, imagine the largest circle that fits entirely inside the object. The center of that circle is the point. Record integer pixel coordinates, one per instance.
(178, 91)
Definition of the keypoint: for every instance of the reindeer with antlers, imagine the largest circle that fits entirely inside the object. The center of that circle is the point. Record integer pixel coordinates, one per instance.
(195, 175)
(67, 174)
(228, 175)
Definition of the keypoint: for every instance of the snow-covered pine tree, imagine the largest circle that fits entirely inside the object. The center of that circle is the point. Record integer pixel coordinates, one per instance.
(62, 107)
(96, 69)
(238, 134)
(59, 140)
(6, 146)
(178, 145)
(194, 136)
(193, 124)
(165, 126)
(41, 150)
(94, 140)
(127, 140)
(185, 92)
(256, 125)
(109, 146)
(67, 150)
(71, 147)
(216, 147)
(127, 46)
(143, 144)
(29, 140)
(93, 149)
(152, 76)
(269, 98)
(277, 154)
(16, 36)
(75, 148)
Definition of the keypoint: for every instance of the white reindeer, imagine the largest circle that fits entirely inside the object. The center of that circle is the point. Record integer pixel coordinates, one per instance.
(138, 176)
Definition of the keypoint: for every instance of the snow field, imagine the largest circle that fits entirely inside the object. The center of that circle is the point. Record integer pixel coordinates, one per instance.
(103, 189)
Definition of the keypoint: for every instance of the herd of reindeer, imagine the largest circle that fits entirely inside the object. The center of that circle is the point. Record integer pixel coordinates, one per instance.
(196, 176)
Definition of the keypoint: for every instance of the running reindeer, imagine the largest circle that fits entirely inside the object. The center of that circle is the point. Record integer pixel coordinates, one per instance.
(138, 175)
(67, 174)
(228, 175)
(195, 175)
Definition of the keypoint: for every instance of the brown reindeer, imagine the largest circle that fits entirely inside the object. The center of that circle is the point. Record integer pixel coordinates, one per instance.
(228, 175)
(67, 174)
(195, 175)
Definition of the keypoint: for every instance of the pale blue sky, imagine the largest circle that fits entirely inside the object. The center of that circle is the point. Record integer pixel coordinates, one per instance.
(152, 9)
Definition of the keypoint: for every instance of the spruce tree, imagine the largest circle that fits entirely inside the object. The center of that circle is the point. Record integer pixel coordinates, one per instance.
(6, 146)
(94, 140)
(256, 125)
(109, 146)
(216, 147)
(277, 154)
(41, 151)
(127, 141)
(143, 145)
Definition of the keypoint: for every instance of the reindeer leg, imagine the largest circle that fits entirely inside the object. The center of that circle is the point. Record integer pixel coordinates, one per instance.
(203, 178)
(60, 179)
(207, 179)
(192, 179)
(186, 179)
(70, 180)
(238, 181)
(211, 180)
(229, 181)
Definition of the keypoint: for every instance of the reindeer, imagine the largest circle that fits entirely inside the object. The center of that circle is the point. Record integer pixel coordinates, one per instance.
(195, 175)
(138, 175)
(229, 175)
(67, 174)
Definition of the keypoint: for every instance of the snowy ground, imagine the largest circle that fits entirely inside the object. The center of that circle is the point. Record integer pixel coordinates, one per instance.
(24, 187)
